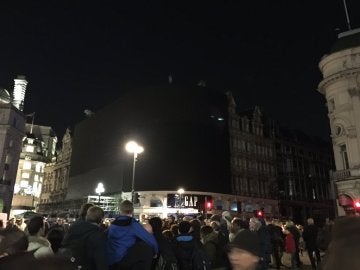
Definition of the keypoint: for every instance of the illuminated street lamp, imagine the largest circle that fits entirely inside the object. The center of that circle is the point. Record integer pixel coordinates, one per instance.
(100, 189)
(134, 148)
(180, 191)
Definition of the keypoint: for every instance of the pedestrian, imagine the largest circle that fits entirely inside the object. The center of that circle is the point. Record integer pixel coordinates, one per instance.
(127, 239)
(85, 243)
(290, 247)
(244, 251)
(37, 242)
(310, 235)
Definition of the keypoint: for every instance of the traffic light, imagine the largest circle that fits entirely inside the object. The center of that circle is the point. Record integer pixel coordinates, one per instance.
(260, 214)
(208, 205)
(136, 198)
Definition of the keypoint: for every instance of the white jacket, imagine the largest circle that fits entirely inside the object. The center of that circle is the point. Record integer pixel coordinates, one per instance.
(41, 245)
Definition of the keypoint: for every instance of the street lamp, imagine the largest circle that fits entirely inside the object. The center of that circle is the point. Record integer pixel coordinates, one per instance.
(180, 191)
(100, 189)
(134, 148)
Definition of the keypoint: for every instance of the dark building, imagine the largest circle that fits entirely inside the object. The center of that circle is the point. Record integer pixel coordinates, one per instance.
(303, 165)
(184, 133)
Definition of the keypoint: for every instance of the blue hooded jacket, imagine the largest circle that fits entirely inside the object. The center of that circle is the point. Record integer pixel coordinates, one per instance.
(122, 235)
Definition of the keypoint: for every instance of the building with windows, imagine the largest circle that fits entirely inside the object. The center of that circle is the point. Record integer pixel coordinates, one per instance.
(56, 177)
(38, 149)
(341, 87)
(272, 162)
(12, 130)
(302, 168)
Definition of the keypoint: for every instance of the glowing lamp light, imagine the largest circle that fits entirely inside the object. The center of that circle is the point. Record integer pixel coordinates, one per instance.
(357, 204)
(260, 214)
(208, 205)
(133, 147)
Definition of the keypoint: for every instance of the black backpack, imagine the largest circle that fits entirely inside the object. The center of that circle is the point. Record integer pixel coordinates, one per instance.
(199, 260)
(75, 252)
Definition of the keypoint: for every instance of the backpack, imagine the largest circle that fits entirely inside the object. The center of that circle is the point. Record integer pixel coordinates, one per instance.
(166, 263)
(192, 258)
(75, 252)
(199, 260)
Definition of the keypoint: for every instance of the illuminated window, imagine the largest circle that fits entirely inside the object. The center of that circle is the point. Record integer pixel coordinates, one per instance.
(36, 177)
(30, 141)
(29, 148)
(27, 165)
(25, 175)
(24, 183)
(38, 167)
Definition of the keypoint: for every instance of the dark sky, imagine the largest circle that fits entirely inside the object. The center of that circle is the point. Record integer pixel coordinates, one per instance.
(83, 54)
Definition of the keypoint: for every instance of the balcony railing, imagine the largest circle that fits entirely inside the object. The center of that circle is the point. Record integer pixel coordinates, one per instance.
(344, 174)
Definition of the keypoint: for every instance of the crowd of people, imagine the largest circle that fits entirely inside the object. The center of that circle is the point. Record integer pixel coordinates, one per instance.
(183, 243)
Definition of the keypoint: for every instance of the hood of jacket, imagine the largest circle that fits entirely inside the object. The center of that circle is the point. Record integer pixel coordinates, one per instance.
(80, 229)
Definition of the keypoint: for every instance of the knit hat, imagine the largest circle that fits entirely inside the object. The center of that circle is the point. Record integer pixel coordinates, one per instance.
(248, 241)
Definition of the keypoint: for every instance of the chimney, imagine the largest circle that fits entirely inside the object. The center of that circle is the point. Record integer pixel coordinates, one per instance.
(20, 84)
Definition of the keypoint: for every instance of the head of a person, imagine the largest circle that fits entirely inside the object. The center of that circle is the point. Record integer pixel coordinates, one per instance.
(83, 210)
(195, 226)
(184, 227)
(94, 215)
(126, 208)
(174, 229)
(13, 241)
(310, 221)
(226, 215)
(215, 225)
(168, 234)
(244, 251)
(156, 224)
(254, 224)
(237, 224)
(215, 217)
(36, 226)
(206, 230)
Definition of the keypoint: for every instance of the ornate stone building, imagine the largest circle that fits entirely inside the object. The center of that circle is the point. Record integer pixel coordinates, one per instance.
(12, 131)
(341, 88)
(253, 160)
(56, 177)
(38, 149)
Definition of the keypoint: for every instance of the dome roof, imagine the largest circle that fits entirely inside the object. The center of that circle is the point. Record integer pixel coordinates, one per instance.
(347, 40)
(4, 96)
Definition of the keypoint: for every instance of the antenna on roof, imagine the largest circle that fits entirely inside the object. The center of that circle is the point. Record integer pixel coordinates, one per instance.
(347, 15)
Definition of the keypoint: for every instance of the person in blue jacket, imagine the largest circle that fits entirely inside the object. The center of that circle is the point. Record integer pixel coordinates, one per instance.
(127, 239)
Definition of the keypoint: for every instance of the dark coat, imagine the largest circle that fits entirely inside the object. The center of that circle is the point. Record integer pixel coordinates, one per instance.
(93, 240)
(310, 235)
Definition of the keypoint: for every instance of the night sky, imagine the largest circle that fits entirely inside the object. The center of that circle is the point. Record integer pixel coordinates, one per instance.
(81, 55)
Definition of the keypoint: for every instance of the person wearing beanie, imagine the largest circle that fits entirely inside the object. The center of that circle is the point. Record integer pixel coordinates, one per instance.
(244, 251)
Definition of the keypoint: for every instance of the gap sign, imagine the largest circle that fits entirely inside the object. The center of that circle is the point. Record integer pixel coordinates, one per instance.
(187, 200)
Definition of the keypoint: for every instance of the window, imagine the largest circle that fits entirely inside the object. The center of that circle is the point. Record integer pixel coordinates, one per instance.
(30, 141)
(344, 156)
(38, 167)
(24, 183)
(27, 165)
(25, 175)
(29, 148)
(331, 105)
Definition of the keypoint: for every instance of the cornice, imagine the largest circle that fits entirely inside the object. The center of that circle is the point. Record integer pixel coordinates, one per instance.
(336, 77)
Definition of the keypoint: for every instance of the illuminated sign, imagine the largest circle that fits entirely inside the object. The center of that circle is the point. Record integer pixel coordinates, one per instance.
(187, 200)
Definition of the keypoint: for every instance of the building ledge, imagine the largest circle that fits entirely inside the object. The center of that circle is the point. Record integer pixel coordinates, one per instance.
(345, 175)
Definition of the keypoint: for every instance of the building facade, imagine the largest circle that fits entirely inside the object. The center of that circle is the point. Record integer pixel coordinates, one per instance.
(56, 178)
(38, 149)
(302, 165)
(341, 88)
(12, 131)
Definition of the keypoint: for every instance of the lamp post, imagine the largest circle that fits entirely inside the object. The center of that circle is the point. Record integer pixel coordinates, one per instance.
(180, 191)
(135, 149)
(100, 189)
